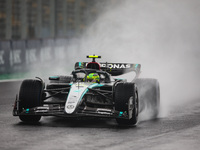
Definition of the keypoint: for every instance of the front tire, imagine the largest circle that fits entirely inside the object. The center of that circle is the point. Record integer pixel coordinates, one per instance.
(123, 93)
(30, 95)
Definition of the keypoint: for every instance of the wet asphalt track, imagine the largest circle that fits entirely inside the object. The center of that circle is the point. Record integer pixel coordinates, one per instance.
(180, 130)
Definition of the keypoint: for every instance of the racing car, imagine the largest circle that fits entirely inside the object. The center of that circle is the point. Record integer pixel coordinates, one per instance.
(90, 91)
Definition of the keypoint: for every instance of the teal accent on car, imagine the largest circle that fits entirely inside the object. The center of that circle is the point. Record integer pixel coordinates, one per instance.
(136, 65)
(119, 79)
(54, 77)
(27, 110)
(121, 113)
(95, 85)
(78, 91)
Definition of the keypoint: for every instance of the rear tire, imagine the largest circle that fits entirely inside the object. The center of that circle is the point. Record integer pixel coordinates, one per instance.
(123, 92)
(149, 96)
(30, 95)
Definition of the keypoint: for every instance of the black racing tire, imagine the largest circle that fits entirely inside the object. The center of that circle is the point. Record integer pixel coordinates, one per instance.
(123, 92)
(62, 79)
(149, 96)
(30, 95)
(29, 118)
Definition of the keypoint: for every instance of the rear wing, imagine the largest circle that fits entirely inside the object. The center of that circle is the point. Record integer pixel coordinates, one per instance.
(114, 69)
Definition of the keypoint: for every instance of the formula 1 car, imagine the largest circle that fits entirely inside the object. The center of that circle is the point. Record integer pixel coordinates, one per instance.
(90, 91)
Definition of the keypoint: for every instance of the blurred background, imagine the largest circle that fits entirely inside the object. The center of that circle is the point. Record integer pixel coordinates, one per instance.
(36, 31)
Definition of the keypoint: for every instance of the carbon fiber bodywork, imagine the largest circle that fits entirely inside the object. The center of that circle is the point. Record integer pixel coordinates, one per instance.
(89, 92)
(83, 98)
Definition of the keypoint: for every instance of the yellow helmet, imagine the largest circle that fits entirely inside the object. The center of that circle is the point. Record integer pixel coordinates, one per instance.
(93, 77)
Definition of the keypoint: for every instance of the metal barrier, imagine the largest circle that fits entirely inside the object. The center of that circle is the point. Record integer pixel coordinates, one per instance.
(18, 55)
(22, 55)
(5, 48)
(33, 50)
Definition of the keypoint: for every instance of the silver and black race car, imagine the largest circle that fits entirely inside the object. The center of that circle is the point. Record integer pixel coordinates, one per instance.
(90, 91)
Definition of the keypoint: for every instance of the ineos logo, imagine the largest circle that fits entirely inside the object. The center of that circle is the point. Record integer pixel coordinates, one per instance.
(70, 106)
(116, 66)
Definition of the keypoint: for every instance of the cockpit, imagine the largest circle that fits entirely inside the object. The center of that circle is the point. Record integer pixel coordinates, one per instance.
(91, 75)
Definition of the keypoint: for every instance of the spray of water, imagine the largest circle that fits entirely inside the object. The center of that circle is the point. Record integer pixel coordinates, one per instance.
(163, 36)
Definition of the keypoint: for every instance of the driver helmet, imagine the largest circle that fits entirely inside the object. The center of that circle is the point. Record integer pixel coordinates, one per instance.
(93, 77)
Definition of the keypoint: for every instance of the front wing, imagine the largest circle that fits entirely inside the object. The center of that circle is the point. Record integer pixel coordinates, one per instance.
(58, 110)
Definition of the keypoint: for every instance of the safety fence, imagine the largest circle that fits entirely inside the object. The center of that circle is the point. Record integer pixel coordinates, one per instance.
(19, 55)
